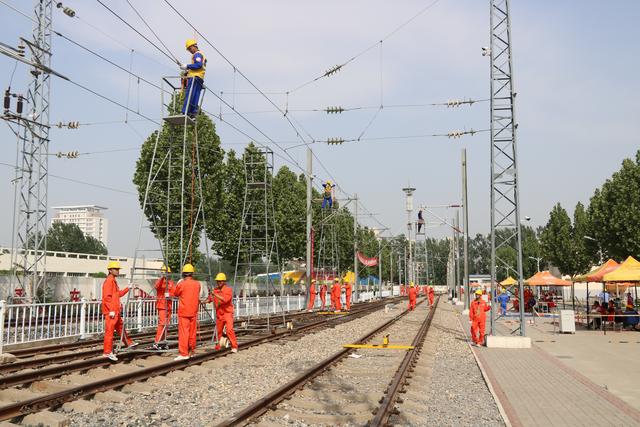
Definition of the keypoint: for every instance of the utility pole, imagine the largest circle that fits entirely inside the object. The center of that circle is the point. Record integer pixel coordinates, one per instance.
(355, 248)
(458, 263)
(505, 207)
(32, 175)
(465, 221)
(309, 260)
(409, 207)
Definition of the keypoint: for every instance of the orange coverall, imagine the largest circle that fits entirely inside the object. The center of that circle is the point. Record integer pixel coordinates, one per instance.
(312, 296)
(413, 295)
(111, 302)
(335, 297)
(478, 318)
(224, 313)
(163, 306)
(431, 296)
(323, 295)
(347, 292)
(188, 292)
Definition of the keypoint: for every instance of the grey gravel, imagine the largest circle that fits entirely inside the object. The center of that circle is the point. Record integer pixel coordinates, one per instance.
(233, 381)
(457, 394)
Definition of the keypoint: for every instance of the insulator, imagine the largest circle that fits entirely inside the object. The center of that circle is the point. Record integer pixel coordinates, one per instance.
(69, 12)
(334, 110)
(332, 70)
(20, 104)
(20, 50)
(335, 141)
(7, 100)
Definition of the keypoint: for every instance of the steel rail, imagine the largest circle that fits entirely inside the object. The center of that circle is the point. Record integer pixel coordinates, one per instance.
(55, 399)
(272, 399)
(387, 406)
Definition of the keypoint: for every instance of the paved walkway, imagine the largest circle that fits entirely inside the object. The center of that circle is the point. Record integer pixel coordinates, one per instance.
(534, 388)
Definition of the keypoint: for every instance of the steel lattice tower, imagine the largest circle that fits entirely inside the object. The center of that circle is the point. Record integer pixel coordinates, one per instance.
(30, 202)
(505, 209)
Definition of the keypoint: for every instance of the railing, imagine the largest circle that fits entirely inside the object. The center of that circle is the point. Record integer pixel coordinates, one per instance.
(25, 323)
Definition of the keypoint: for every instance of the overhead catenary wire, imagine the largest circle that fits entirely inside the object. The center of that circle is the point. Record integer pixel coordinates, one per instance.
(167, 54)
(338, 67)
(153, 32)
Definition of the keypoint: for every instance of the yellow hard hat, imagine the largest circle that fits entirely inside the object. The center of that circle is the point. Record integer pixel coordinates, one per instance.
(189, 43)
(221, 277)
(328, 182)
(411, 284)
(114, 265)
(478, 292)
(336, 280)
(165, 268)
(188, 268)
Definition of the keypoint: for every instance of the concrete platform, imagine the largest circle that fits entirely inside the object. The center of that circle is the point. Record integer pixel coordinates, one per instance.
(534, 387)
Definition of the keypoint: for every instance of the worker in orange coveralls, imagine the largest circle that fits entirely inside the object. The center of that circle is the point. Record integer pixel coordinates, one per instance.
(413, 295)
(335, 295)
(323, 295)
(347, 295)
(188, 292)
(478, 318)
(111, 309)
(312, 295)
(222, 298)
(431, 295)
(164, 289)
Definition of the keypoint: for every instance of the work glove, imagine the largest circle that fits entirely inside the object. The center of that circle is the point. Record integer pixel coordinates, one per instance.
(112, 314)
(183, 66)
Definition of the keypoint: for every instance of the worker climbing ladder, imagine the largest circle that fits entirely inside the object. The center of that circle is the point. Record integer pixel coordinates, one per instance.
(258, 270)
(172, 203)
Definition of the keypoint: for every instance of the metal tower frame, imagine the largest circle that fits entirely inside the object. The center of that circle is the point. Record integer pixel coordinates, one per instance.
(30, 197)
(327, 247)
(505, 209)
(176, 170)
(257, 242)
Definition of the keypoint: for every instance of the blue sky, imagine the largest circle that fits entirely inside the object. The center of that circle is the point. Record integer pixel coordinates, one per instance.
(575, 68)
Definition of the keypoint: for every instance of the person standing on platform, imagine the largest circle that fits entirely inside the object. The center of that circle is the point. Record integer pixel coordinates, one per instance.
(413, 295)
(312, 295)
(347, 295)
(111, 310)
(195, 78)
(478, 318)
(188, 292)
(431, 296)
(336, 292)
(323, 295)
(222, 298)
(503, 299)
(164, 289)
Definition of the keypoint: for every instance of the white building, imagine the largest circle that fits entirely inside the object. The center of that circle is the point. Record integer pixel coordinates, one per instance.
(88, 217)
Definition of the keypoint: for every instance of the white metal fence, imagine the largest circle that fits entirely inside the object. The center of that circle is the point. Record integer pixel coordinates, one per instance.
(21, 323)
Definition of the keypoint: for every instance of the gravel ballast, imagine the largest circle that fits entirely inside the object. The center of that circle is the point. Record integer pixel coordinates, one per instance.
(457, 393)
(213, 391)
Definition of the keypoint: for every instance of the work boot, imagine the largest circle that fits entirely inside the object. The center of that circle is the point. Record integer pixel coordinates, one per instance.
(234, 350)
(181, 357)
(155, 346)
(111, 356)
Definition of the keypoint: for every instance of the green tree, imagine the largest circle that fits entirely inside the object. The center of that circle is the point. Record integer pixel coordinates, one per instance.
(584, 255)
(614, 211)
(557, 241)
(290, 200)
(69, 238)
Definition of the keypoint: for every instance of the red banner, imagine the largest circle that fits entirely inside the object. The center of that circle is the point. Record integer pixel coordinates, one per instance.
(368, 262)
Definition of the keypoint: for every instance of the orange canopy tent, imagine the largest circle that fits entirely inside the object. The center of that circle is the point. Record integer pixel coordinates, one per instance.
(628, 271)
(509, 281)
(545, 278)
(597, 274)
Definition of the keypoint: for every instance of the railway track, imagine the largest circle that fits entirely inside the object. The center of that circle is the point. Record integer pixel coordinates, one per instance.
(343, 390)
(34, 390)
